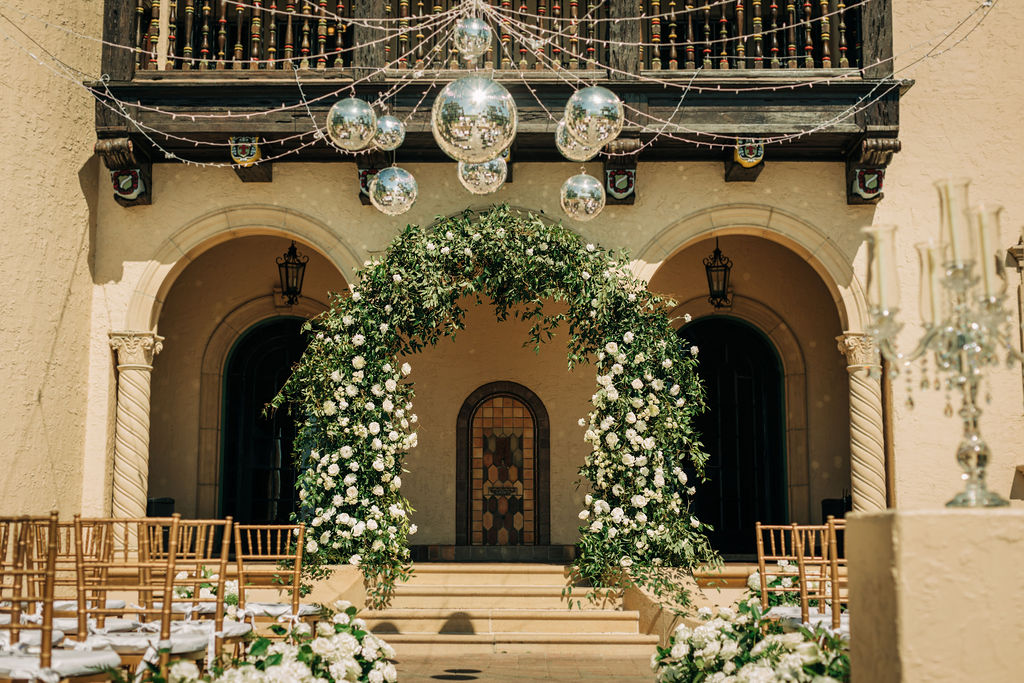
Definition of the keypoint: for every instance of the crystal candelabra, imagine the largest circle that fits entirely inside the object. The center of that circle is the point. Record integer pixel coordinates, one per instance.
(967, 325)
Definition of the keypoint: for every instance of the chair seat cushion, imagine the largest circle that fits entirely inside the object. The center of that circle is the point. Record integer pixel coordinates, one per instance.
(64, 663)
(181, 642)
(230, 629)
(29, 638)
(72, 605)
(278, 609)
(110, 625)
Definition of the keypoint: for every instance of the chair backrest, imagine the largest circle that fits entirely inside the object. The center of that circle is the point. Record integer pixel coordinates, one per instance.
(27, 578)
(777, 558)
(146, 578)
(812, 541)
(200, 566)
(269, 555)
(839, 594)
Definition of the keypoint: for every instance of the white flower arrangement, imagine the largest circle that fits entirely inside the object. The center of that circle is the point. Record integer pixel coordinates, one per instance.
(357, 408)
(338, 649)
(740, 645)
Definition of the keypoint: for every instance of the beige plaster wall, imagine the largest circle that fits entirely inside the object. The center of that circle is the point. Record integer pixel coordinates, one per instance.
(217, 282)
(817, 417)
(934, 596)
(961, 118)
(47, 224)
(445, 375)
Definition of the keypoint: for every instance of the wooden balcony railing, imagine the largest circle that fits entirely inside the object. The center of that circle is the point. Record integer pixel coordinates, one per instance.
(671, 35)
(751, 34)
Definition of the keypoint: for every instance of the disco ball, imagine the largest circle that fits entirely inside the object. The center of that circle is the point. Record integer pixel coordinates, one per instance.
(351, 124)
(393, 190)
(594, 116)
(582, 197)
(473, 119)
(390, 133)
(472, 38)
(483, 178)
(571, 149)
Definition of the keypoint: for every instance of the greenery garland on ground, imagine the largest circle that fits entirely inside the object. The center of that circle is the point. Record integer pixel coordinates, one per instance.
(353, 401)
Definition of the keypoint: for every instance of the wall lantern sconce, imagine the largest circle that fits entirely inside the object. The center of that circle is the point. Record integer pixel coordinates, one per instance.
(292, 268)
(717, 268)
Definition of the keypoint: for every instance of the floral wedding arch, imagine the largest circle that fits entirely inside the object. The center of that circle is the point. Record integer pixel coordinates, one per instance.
(353, 400)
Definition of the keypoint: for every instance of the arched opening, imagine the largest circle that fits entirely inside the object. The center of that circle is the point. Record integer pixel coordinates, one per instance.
(258, 471)
(502, 471)
(742, 431)
(222, 292)
(779, 296)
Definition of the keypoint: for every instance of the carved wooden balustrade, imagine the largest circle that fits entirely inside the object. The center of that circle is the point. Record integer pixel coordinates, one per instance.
(671, 35)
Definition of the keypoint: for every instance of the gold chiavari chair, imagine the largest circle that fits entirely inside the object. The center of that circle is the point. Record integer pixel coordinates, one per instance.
(144, 579)
(28, 569)
(200, 580)
(839, 579)
(812, 542)
(778, 558)
(270, 555)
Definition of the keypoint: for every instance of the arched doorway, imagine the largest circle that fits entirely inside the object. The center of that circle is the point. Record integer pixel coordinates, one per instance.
(258, 480)
(502, 471)
(742, 430)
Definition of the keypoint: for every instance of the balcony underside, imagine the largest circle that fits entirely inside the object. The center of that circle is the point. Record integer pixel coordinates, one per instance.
(830, 118)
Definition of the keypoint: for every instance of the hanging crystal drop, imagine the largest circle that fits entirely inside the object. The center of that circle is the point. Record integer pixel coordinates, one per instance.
(910, 401)
(948, 412)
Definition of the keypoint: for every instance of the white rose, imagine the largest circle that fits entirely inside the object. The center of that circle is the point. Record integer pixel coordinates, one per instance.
(374, 428)
(355, 560)
(694, 351)
(628, 337)
(396, 277)
(358, 362)
(637, 383)
(611, 347)
(378, 465)
(406, 369)
(358, 340)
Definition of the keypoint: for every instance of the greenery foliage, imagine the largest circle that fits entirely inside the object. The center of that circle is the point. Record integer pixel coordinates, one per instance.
(353, 400)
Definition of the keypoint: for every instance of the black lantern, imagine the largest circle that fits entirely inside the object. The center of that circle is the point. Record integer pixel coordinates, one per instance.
(717, 268)
(292, 268)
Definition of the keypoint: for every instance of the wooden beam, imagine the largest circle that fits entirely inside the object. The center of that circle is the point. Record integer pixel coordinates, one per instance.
(624, 37)
(876, 32)
(369, 53)
(119, 20)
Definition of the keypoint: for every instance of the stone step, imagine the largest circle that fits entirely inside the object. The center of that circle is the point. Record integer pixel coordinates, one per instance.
(491, 574)
(447, 644)
(483, 596)
(501, 621)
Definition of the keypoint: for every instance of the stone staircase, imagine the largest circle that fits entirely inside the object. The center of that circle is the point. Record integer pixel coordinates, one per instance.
(451, 609)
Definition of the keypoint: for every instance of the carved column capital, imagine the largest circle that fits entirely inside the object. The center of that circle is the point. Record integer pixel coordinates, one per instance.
(135, 350)
(859, 350)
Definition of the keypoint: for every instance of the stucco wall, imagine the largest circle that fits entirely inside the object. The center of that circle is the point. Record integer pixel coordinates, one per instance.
(216, 283)
(46, 236)
(961, 118)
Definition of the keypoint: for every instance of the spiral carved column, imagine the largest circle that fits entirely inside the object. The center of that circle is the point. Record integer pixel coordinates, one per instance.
(135, 352)
(867, 443)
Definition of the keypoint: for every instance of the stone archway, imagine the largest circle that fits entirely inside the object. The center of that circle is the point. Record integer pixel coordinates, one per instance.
(138, 343)
(835, 273)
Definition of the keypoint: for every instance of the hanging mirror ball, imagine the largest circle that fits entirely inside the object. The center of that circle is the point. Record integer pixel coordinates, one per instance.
(473, 119)
(472, 38)
(594, 116)
(483, 178)
(351, 124)
(570, 148)
(582, 197)
(390, 133)
(393, 190)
